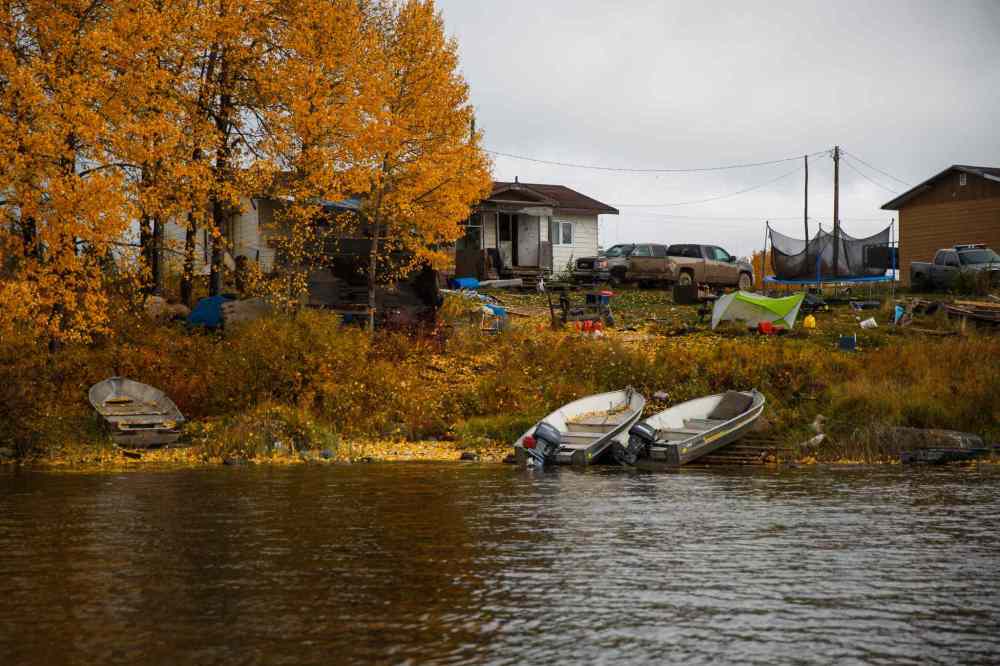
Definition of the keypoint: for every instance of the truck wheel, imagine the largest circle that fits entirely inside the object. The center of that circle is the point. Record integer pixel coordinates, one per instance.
(685, 279)
(745, 282)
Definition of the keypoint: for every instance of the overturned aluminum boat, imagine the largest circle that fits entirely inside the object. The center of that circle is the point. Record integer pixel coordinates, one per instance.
(690, 430)
(140, 416)
(582, 432)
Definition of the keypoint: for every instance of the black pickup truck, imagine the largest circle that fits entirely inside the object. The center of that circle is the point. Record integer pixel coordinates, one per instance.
(951, 262)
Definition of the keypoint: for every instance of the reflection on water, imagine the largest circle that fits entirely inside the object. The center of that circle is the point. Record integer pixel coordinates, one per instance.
(449, 563)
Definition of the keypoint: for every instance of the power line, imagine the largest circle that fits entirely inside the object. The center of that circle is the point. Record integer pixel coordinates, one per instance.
(753, 218)
(875, 168)
(868, 178)
(641, 170)
(716, 198)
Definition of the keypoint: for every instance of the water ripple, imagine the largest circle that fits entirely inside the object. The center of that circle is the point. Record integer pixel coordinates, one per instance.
(447, 564)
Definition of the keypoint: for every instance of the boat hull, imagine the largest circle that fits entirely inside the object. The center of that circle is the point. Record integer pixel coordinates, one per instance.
(582, 446)
(138, 415)
(688, 449)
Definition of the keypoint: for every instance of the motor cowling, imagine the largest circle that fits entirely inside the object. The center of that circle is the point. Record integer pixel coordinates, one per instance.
(639, 438)
(548, 439)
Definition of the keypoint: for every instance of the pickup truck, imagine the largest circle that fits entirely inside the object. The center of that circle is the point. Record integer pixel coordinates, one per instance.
(599, 268)
(951, 262)
(710, 264)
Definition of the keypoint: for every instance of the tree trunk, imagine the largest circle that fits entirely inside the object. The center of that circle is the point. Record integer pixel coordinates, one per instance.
(218, 249)
(146, 250)
(224, 126)
(187, 277)
(157, 258)
(372, 266)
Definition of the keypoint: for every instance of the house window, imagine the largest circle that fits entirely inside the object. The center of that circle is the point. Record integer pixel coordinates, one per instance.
(961, 179)
(472, 240)
(561, 233)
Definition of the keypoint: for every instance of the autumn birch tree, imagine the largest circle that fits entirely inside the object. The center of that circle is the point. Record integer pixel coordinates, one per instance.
(427, 168)
(71, 75)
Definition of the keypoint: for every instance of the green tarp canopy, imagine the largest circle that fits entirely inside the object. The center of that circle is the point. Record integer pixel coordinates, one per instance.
(754, 308)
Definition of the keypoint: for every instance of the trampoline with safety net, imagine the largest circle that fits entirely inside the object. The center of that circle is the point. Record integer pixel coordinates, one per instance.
(827, 258)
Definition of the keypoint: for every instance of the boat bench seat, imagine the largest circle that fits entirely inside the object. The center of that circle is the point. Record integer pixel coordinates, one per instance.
(703, 424)
(580, 439)
(677, 433)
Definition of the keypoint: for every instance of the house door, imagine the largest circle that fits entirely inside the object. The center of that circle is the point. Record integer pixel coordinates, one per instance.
(527, 240)
(507, 238)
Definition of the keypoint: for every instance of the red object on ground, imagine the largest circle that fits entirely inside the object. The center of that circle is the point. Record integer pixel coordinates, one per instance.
(765, 328)
(607, 293)
(528, 442)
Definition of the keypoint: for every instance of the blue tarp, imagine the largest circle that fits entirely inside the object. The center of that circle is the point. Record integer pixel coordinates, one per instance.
(208, 312)
(464, 283)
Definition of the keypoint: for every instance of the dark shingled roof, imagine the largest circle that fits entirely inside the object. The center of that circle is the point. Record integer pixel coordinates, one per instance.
(565, 199)
(992, 173)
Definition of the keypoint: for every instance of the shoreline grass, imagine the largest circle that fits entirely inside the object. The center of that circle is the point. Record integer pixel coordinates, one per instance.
(304, 383)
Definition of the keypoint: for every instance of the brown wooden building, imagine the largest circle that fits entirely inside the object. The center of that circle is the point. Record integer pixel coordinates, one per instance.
(959, 205)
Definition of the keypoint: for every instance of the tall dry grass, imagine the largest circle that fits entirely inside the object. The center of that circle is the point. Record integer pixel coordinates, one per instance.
(315, 379)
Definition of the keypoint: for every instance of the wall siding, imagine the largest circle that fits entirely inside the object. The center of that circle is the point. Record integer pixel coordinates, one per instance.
(948, 214)
(584, 241)
(923, 230)
(248, 239)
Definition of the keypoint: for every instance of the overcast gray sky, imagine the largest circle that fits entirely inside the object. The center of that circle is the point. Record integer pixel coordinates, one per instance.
(908, 86)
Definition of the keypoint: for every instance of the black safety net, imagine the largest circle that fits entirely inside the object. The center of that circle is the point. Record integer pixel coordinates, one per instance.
(820, 258)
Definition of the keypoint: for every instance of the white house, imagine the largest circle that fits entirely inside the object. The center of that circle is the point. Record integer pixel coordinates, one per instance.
(528, 229)
(522, 230)
(245, 233)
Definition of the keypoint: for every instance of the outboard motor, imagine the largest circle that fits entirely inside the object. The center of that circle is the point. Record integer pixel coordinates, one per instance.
(639, 438)
(542, 445)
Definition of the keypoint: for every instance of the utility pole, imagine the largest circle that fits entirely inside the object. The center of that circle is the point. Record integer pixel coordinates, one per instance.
(836, 210)
(805, 213)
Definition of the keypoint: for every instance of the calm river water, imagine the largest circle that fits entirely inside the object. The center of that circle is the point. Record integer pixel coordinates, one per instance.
(445, 563)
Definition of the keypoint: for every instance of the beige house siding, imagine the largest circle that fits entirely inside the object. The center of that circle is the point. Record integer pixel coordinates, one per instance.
(247, 237)
(924, 229)
(584, 240)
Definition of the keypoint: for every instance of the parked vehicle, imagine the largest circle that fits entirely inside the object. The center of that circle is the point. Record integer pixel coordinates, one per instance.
(598, 269)
(951, 262)
(690, 430)
(582, 432)
(648, 264)
(710, 264)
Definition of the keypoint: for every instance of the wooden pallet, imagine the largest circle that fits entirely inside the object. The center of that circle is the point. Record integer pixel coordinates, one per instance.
(751, 450)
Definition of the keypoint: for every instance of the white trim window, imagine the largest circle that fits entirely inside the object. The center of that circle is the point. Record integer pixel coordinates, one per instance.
(561, 232)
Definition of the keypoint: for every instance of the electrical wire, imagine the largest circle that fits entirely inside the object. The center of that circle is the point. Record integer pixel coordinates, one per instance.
(641, 170)
(875, 168)
(716, 198)
(868, 178)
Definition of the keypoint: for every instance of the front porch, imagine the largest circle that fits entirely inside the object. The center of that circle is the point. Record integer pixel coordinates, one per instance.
(507, 237)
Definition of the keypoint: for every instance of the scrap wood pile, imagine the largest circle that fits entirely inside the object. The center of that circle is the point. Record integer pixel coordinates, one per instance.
(980, 311)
